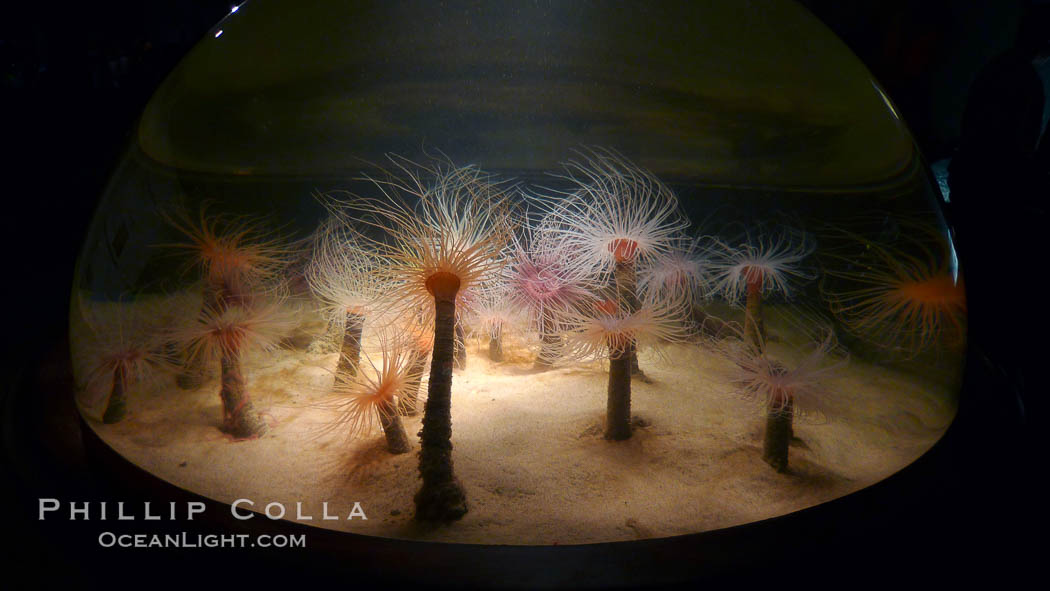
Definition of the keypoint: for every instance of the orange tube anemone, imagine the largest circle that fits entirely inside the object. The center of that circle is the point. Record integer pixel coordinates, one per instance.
(907, 298)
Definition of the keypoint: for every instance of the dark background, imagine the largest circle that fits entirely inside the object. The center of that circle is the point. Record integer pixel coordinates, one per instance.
(73, 79)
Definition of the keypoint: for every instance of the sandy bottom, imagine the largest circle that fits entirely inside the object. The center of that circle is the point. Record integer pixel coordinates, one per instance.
(529, 449)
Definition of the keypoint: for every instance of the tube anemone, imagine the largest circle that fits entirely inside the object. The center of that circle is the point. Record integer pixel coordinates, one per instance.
(617, 216)
(907, 297)
(493, 313)
(759, 266)
(540, 282)
(683, 272)
(785, 392)
(225, 335)
(611, 330)
(438, 248)
(614, 212)
(348, 279)
(236, 257)
(122, 352)
(371, 396)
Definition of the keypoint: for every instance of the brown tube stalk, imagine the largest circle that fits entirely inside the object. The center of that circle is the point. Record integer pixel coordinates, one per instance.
(240, 420)
(441, 497)
(351, 349)
(116, 406)
(407, 404)
(618, 405)
(396, 438)
(778, 436)
(754, 329)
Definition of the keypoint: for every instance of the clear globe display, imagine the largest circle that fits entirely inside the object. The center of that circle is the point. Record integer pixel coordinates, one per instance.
(545, 273)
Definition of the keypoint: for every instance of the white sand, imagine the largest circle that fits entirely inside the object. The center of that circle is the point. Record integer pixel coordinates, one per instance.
(529, 450)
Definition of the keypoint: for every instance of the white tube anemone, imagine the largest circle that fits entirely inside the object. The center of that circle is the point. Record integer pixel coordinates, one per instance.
(762, 265)
(771, 383)
(440, 224)
(349, 280)
(609, 325)
(615, 212)
(684, 272)
(768, 263)
(345, 276)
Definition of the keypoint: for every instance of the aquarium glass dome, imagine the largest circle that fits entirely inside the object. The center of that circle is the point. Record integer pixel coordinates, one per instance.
(542, 272)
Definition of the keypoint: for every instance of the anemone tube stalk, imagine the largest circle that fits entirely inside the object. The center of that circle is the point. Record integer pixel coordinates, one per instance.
(625, 276)
(116, 405)
(350, 354)
(393, 429)
(441, 498)
(618, 392)
(239, 417)
(407, 403)
(754, 327)
(778, 433)
(550, 341)
(496, 343)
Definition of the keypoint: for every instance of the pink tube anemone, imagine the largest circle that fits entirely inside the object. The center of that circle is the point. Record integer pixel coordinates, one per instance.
(540, 281)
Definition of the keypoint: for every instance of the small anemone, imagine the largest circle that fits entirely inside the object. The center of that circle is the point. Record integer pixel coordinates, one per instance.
(367, 401)
(540, 281)
(609, 325)
(785, 383)
(123, 347)
(766, 263)
(261, 325)
(683, 272)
